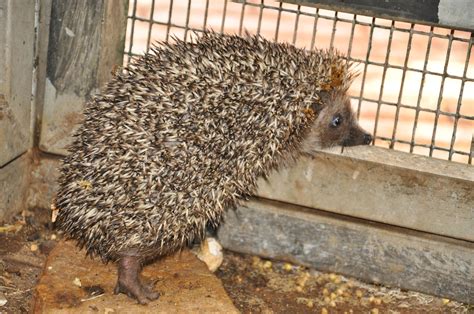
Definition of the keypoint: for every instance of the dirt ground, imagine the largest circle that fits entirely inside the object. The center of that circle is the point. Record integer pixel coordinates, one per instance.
(255, 285)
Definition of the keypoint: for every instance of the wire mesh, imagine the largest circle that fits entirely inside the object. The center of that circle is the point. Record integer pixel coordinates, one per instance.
(415, 90)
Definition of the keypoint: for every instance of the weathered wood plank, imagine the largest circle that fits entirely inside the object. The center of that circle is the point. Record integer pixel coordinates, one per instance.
(378, 184)
(85, 43)
(17, 31)
(14, 181)
(369, 251)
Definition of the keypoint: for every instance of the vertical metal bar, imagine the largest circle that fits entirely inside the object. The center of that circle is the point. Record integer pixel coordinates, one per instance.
(297, 20)
(132, 31)
(242, 13)
(277, 28)
(405, 64)
(459, 104)
(440, 97)
(260, 14)
(420, 93)
(333, 33)
(315, 28)
(224, 13)
(384, 75)
(204, 26)
(170, 12)
(150, 26)
(471, 153)
(351, 39)
(364, 74)
(186, 25)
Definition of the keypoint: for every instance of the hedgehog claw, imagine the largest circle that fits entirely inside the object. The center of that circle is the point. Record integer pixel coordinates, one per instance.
(129, 282)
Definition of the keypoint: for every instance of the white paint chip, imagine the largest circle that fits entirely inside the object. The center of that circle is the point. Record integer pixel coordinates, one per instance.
(69, 32)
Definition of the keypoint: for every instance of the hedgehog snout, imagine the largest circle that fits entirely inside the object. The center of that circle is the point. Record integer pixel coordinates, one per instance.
(357, 136)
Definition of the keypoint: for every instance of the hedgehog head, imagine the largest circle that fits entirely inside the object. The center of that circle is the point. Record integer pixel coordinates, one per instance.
(335, 124)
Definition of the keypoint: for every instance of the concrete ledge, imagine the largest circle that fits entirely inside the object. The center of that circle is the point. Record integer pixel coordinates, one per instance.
(369, 251)
(185, 283)
(383, 185)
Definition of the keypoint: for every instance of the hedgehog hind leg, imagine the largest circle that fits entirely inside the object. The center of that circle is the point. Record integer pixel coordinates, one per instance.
(129, 283)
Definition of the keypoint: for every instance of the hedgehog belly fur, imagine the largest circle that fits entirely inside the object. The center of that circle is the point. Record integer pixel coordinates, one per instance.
(184, 133)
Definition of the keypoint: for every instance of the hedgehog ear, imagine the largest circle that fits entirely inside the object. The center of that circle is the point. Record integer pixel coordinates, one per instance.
(316, 106)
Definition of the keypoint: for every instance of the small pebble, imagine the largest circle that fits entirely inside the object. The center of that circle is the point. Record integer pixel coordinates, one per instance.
(53, 236)
(325, 292)
(3, 299)
(324, 311)
(377, 301)
(359, 293)
(374, 311)
(446, 301)
(287, 267)
(210, 252)
(267, 265)
(310, 303)
(34, 247)
(77, 282)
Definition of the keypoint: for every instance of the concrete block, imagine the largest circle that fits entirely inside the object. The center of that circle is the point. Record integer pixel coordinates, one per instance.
(369, 251)
(378, 184)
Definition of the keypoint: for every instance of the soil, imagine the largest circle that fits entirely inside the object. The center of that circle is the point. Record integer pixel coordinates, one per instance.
(24, 244)
(254, 284)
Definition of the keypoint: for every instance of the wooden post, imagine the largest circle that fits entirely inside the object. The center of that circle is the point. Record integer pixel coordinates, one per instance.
(86, 42)
(17, 35)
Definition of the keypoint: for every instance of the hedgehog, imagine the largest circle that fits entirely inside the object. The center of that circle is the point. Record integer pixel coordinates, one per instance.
(184, 132)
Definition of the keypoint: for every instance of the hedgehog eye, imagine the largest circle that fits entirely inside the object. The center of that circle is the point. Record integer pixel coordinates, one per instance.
(336, 121)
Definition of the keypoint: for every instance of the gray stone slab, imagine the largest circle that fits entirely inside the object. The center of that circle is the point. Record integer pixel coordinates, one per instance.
(368, 251)
(378, 184)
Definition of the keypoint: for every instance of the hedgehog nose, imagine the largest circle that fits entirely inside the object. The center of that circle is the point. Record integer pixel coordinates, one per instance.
(367, 139)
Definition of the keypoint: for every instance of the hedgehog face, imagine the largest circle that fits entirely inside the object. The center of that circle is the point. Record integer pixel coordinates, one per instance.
(336, 124)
